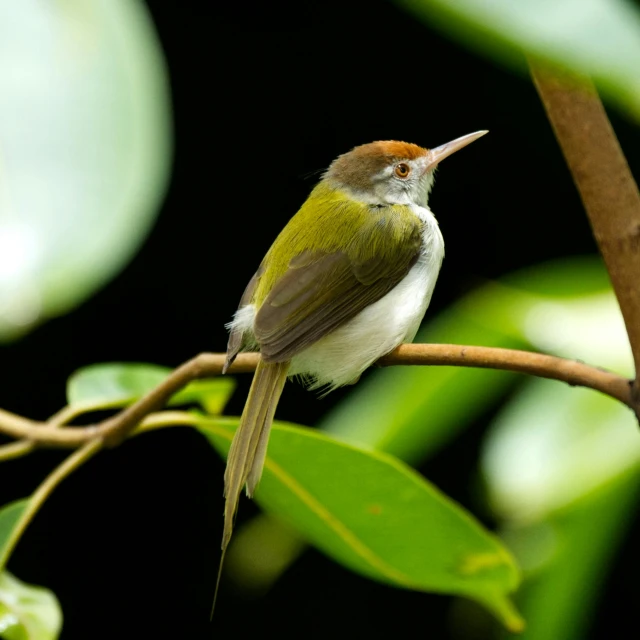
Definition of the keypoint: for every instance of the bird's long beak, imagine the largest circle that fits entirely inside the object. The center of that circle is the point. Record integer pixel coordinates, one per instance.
(438, 154)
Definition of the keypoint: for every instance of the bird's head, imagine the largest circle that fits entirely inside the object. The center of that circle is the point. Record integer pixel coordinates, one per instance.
(392, 172)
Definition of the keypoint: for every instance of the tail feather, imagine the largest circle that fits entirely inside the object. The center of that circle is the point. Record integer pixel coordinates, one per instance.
(248, 449)
(249, 446)
(254, 471)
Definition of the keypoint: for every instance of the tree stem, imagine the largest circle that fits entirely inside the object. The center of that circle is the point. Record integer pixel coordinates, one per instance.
(607, 188)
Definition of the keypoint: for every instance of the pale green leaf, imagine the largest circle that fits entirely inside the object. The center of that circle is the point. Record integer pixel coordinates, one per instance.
(562, 464)
(378, 517)
(113, 383)
(117, 384)
(211, 394)
(27, 612)
(553, 444)
(599, 38)
(85, 150)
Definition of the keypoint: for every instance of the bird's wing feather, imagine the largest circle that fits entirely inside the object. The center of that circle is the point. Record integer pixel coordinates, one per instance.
(236, 337)
(321, 290)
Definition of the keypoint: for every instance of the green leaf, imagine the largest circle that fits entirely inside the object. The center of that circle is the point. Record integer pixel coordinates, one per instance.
(566, 558)
(378, 517)
(27, 612)
(212, 394)
(598, 38)
(571, 277)
(85, 131)
(10, 514)
(112, 385)
(562, 465)
(552, 445)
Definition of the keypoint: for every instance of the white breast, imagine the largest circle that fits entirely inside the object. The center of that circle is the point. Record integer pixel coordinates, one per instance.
(340, 357)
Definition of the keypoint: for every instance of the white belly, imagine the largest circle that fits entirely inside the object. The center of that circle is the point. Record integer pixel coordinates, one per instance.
(340, 357)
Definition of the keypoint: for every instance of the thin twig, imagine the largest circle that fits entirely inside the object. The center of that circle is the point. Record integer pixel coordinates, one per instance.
(24, 447)
(572, 372)
(76, 459)
(16, 449)
(113, 430)
(609, 193)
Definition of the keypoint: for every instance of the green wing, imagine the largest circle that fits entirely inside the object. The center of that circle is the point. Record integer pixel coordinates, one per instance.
(360, 253)
(314, 298)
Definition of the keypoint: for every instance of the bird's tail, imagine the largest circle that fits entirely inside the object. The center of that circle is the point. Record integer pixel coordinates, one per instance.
(249, 446)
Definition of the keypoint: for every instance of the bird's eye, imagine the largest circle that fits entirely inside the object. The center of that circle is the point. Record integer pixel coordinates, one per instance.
(403, 170)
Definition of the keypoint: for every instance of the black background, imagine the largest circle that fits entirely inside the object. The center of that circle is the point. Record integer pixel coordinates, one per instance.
(263, 96)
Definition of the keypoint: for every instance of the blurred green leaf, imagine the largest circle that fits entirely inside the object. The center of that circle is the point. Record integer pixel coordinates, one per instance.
(552, 444)
(27, 612)
(378, 517)
(568, 555)
(565, 278)
(262, 549)
(562, 465)
(211, 394)
(85, 154)
(598, 38)
(10, 515)
(113, 383)
(117, 384)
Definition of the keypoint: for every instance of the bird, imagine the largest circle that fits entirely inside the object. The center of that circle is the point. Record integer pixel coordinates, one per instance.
(346, 281)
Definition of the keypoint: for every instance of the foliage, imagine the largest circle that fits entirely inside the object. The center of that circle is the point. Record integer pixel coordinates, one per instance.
(595, 38)
(27, 612)
(86, 149)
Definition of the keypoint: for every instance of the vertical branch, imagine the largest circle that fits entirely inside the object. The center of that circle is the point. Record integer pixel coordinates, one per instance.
(607, 188)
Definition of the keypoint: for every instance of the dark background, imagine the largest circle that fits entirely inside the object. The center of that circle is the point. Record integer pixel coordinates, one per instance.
(263, 95)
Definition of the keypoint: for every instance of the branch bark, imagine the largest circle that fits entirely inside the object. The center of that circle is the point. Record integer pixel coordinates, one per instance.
(113, 430)
(607, 188)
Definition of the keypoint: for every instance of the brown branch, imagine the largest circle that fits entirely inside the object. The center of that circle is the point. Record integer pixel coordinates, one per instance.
(572, 372)
(26, 446)
(113, 430)
(607, 188)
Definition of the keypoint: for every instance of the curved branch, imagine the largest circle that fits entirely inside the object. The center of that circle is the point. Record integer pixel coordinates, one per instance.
(609, 193)
(26, 446)
(16, 449)
(113, 430)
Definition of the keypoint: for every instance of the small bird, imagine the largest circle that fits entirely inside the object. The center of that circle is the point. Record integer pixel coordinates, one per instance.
(347, 280)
